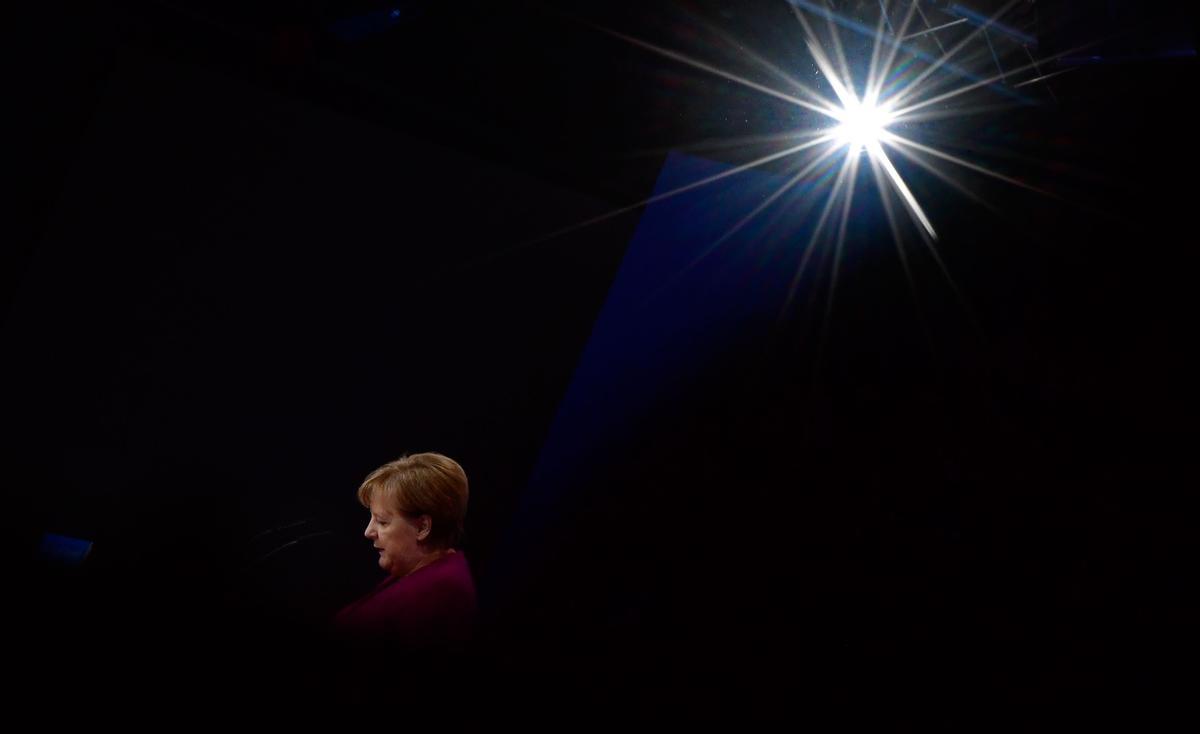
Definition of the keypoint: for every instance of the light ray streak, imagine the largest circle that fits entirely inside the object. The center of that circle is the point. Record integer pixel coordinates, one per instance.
(1001, 152)
(957, 112)
(922, 318)
(912, 88)
(890, 213)
(744, 141)
(979, 18)
(883, 13)
(916, 53)
(1040, 76)
(908, 274)
(896, 139)
(935, 29)
(980, 58)
(835, 267)
(783, 189)
(1044, 77)
(945, 177)
(823, 63)
(925, 20)
(839, 53)
(895, 78)
(985, 82)
(782, 75)
(844, 95)
(911, 201)
(811, 247)
(995, 57)
(875, 85)
(873, 67)
(712, 247)
(835, 270)
(687, 187)
(823, 109)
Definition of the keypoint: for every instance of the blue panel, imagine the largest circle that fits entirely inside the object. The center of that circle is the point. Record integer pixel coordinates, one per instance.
(669, 314)
(62, 550)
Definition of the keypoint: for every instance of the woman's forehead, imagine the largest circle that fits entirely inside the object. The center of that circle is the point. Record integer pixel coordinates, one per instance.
(380, 503)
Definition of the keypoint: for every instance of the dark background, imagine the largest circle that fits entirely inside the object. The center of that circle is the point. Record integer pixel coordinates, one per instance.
(255, 253)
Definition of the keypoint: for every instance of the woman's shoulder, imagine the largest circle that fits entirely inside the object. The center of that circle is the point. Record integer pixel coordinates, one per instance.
(450, 575)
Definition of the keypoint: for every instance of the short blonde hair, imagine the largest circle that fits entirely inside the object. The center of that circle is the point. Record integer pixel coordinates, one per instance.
(423, 484)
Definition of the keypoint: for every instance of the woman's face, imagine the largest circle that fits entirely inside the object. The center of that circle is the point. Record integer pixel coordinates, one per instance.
(396, 537)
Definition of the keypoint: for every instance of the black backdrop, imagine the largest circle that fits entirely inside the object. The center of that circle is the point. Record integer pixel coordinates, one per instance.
(238, 285)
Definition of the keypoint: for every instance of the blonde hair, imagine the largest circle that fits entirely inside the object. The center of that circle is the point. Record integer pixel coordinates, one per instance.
(423, 484)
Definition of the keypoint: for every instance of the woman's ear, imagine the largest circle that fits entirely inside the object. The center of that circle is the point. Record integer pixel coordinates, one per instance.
(424, 525)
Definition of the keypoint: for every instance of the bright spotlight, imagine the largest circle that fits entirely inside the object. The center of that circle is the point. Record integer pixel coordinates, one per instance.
(862, 125)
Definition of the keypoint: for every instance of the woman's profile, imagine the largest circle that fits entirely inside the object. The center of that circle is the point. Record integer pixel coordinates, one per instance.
(427, 601)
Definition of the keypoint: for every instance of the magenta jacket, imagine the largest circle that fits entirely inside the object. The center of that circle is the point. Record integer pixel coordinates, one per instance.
(432, 607)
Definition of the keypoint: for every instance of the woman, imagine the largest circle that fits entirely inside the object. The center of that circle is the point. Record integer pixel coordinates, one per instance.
(427, 601)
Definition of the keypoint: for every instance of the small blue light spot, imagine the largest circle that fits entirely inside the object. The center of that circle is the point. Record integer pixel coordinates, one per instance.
(396, 13)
